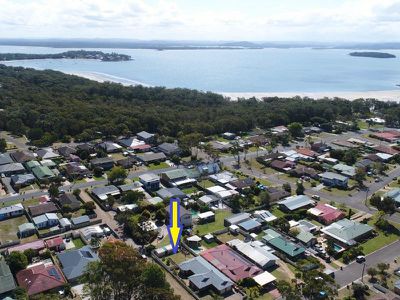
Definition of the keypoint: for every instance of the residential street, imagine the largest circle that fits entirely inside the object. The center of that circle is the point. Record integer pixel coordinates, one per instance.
(353, 271)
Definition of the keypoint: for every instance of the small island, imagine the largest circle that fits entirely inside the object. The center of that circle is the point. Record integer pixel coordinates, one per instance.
(373, 54)
(79, 54)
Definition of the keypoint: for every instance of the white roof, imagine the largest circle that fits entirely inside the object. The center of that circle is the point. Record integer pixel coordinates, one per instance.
(265, 215)
(194, 238)
(264, 278)
(384, 156)
(206, 215)
(221, 192)
(87, 232)
(293, 223)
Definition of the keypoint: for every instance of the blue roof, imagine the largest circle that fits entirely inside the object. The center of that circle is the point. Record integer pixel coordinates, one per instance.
(74, 262)
(249, 224)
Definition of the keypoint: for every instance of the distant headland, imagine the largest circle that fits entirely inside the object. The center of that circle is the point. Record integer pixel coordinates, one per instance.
(79, 54)
(373, 54)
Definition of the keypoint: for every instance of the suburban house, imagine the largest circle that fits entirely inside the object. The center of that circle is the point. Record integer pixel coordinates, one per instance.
(35, 245)
(150, 181)
(310, 154)
(320, 147)
(11, 211)
(40, 209)
(228, 135)
(146, 137)
(134, 144)
(236, 219)
(250, 226)
(78, 222)
(47, 153)
(7, 283)
(151, 157)
(66, 151)
(169, 149)
(242, 184)
(110, 147)
(230, 263)
(295, 202)
(65, 223)
(43, 173)
(45, 221)
(168, 193)
(282, 166)
(366, 164)
(256, 251)
(221, 192)
(386, 149)
(105, 163)
(26, 229)
(223, 177)
(87, 233)
(306, 238)
(55, 244)
(326, 214)
(264, 216)
(208, 168)
(21, 180)
(185, 217)
(127, 163)
(102, 193)
(281, 244)
(75, 170)
(208, 200)
(176, 178)
(347, 232)
(345, 170)
(391, 136)
(206, 217)
(278, 130)
(12, 169)
(134, 186)
(301, 171)
(22, 156)
(394, 194)
(40, 277)
(5, 159)
(334, 180)
(276, 194)
(203, 276)
(69, 200)
(74, 262)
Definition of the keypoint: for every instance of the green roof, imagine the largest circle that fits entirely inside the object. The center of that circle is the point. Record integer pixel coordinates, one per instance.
(175, 174)
(41, 172)
(270, 234)
(7, 283)
(290, 249)
(305, 236)
(32, 164)
(347, 231)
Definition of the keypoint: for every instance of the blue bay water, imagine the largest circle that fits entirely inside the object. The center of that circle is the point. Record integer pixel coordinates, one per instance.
(263, 70)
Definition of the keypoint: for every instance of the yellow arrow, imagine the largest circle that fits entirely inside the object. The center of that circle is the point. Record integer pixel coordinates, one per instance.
(174, 229)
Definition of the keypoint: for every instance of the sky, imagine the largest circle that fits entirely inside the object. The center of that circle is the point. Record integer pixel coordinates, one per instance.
(240, 20)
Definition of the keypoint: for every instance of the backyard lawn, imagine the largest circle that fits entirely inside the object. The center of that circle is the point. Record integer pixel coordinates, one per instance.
(226, 237)
(78, 243)
(277, 212)
(25, 203)
(162, 165)
(206, 183)
(220, 215)
(9, 228)
(180, 257)
(190, 190)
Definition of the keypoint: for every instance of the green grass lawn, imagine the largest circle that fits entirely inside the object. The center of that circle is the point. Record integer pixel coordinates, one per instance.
(78, 213)
(220, 215)
(209, 245)
(25, 203)
(78, 243)
(226, 237)
(190, 190)
(29, 188)
(180, 257)
(99, 178)
(206, 183)
(9, 228)
(277, 212)
(161, 165)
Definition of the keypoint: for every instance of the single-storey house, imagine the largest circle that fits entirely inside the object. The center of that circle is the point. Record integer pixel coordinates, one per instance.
(326, 213)
(264, 216)
(110, 147)
(105, 163)
(168, 193)
(55, 244)
(43, 173)
(12, 169)
(169, 149)
(334, 180)
(306, 238)
(345, 170)
(242, 184)
(236, 219)
(32, 164)
(223, 177)
(320, 147)
(281, 244)
(185, 217)
(7, 283)
(40, 209)
(347, 232)
(295, 202)
(80, 221)
(11, 211)
(150, 181)
(45, 221)
(176, 178)
(146, 137)
(21, 180)
(255, 251)
(70, 200)
(87, 233)
(5, 159)
(22, 156)
(74, 262)
(203, 276)
(250, 226)
(208, 200)
(276, 194)
(26, 229)
(134, 186)
(75, 170)
(127, 163)
(47, 153)
(102, 193)
(395, 195)
(134, 144)
(151, 157)
(65, 223)
(221, 192)
(282, 166)
(41, 277)
(66, 151)
(206, 217)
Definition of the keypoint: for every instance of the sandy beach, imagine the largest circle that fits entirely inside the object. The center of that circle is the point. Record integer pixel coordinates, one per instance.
(388, 95)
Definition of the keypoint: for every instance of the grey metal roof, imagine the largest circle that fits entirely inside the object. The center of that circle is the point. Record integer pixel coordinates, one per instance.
(74, 262)
(12, 208)
(13, 167)
(26, 226)
(5, 158)
(249, 225)
(296, 202)
(80, 220)
(130, 186)
(151, 156)
(347, 231)
(170, 193)
(104, 190)
(238, 218)
(168, 147)
(205, 275)
(148, 177)
(145, 135)
(331, 175)
(22, 178)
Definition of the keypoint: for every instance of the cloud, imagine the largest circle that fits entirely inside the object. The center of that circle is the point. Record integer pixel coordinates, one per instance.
(172, 19)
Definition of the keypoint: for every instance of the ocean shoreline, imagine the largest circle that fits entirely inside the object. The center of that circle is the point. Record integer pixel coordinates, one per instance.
(384, 95)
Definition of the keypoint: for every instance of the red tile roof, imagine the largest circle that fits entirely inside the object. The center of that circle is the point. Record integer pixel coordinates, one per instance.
(329, 214)
(386, 149)
(306, 152)
(55, 242)
(40, 278)
(36, 245)
(390, 135)
(230, 263)
(141, 147)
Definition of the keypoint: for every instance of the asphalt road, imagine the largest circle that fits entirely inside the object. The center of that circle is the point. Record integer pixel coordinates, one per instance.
(353, 271)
